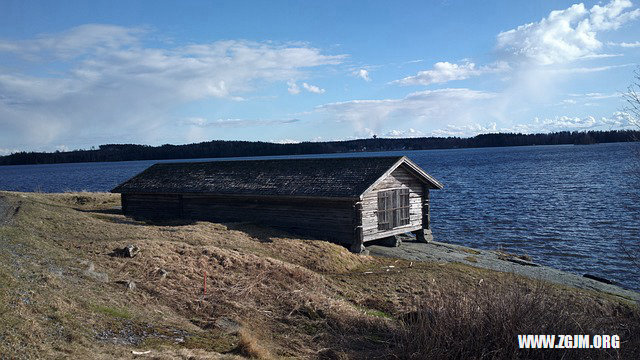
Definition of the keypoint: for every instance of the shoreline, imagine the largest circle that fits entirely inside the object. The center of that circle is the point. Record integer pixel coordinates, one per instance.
(495, 260)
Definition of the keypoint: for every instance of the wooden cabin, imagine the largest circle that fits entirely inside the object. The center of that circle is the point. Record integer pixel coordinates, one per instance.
(349, 200)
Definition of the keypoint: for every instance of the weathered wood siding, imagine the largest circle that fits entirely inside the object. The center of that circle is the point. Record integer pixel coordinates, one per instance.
(151, 206)
(325, 219)
(399, 178)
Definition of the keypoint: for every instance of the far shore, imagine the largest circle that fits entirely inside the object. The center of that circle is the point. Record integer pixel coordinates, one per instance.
(221, 149)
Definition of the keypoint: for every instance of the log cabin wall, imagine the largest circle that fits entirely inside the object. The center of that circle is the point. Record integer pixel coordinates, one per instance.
(398, 179)
(325, 219)
(151, 206)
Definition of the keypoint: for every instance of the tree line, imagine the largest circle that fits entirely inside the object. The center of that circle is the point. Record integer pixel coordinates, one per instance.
(220, 148)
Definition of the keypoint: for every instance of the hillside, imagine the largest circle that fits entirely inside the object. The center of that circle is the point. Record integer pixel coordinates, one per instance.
(65, 292)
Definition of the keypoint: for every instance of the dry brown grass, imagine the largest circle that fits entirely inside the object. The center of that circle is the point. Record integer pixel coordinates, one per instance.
(284, 297)
(250, 347)
(247, 277)
(485, 323)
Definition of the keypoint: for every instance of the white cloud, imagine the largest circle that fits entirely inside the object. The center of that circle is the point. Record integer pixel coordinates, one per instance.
(410, 132)
(75, 41)
(202, 122)
(104, 82)
(312, 88)
(293, 88)
(363, 74)
(630, 45)
(584, 70)
(465, 130)
(634, 44)
(564, 123)
(4, 151)
(622, 119)
(601, 56)
(618, 120)
(612, 15)
(596, 95)
(445, 71)
(534, 59)
(588, 99)
(423, 108)
(286, 141)
(601, 95)
(565, 35)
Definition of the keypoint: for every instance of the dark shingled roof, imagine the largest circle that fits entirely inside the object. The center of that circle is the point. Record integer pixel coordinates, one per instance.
(318, 177)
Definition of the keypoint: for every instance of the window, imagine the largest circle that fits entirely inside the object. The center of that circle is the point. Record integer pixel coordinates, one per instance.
(393, 208)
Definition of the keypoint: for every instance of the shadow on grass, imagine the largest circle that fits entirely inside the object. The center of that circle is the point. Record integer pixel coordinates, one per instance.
(261, 232)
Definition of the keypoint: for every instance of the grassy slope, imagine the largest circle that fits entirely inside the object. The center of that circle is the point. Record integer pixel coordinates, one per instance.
(268, 294)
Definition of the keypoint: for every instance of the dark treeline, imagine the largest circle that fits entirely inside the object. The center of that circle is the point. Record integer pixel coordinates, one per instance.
(218, 148)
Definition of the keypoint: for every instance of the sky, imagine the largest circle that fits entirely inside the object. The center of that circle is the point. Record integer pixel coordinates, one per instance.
(77, 74)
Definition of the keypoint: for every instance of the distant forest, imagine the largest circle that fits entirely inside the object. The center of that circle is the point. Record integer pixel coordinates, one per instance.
(219, 148)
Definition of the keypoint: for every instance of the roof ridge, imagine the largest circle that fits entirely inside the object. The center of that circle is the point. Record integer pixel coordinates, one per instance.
(213, 160)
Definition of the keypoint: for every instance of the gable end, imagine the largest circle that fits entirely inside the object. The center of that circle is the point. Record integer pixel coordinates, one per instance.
(413, 169)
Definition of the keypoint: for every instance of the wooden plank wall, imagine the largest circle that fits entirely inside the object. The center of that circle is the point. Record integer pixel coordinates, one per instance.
(151, 206)
(319, 218)
(399, 178)
(324, 219)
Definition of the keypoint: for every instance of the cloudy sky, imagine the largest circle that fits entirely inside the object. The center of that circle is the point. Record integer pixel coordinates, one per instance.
(79, 74)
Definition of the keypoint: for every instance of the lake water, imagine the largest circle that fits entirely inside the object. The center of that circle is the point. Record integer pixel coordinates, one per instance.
(571, 207)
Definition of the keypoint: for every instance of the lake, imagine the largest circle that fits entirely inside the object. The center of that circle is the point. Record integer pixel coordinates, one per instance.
(571, 207)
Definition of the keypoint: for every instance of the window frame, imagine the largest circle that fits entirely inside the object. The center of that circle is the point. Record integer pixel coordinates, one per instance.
(394, 206)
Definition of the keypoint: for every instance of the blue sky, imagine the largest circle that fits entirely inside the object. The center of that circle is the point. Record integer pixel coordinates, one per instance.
(79, 74)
